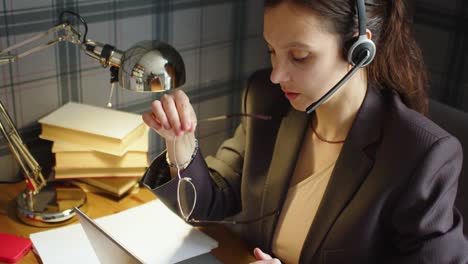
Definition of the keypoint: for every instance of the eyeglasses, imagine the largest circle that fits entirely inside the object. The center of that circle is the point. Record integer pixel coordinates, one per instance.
(187, 192)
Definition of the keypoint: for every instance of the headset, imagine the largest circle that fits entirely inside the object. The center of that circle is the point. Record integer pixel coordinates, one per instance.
(360, 54)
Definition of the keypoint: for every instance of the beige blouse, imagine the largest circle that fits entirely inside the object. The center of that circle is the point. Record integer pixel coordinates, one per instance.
(298, 212)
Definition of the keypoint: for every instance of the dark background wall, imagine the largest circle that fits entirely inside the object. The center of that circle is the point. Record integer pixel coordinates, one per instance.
(441, 28)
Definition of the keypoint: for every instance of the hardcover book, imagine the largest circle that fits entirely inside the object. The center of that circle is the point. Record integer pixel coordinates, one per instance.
(102, 129)
(69, 156)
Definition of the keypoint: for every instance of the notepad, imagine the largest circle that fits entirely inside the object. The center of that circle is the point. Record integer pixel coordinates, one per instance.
(151, 231)
(107, 248)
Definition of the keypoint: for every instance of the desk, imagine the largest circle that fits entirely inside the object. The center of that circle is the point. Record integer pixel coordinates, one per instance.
(231, 249)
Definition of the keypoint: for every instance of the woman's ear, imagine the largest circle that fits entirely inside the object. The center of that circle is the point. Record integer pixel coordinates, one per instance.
(369, 34)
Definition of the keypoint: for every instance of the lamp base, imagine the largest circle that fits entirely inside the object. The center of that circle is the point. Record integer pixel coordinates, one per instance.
(52, 206)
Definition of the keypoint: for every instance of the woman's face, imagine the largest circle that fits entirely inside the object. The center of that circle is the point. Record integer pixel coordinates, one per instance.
(307, 60)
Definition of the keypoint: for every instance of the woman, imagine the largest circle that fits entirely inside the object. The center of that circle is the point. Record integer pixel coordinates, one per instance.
(366, 178)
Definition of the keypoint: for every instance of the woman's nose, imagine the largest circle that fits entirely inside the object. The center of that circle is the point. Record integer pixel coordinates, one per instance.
(279, 74)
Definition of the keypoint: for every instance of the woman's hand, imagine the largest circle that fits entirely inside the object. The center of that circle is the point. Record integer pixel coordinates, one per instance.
(263, 258)
(172, 116)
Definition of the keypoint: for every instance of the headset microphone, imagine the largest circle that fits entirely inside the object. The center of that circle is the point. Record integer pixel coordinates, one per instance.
(360, 54)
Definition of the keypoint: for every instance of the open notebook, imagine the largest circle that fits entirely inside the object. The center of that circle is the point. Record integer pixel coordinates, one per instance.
(106, 247)
(150, 231)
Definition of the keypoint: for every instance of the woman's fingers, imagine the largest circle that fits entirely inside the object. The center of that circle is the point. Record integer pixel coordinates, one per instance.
(269, 261)
(264, 258)
(194, 120)
(172, 114)
(159, 114)
(185, 110)
(259, 255)
(150, 119)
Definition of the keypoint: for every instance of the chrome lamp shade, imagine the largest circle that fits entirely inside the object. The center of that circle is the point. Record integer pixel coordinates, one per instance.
(151, 66)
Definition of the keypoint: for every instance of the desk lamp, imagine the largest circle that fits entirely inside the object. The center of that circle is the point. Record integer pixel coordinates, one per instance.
(148, 66)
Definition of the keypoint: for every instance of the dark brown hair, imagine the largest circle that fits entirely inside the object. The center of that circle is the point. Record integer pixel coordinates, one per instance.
(398, 63)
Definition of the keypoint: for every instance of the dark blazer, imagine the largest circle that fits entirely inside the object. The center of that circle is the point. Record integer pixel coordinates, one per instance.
(390, 197)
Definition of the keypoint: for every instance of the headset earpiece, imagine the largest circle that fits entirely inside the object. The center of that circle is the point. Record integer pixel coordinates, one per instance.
(360, 54)
(358, 48)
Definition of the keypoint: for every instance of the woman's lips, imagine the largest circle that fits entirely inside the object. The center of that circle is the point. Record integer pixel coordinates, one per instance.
(291, 96)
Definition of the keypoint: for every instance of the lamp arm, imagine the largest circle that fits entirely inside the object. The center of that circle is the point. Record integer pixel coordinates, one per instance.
(31, 169)
(65, 33)
(106, 54)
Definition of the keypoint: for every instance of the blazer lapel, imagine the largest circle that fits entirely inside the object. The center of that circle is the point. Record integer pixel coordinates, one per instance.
(352, 167)
(286, 150)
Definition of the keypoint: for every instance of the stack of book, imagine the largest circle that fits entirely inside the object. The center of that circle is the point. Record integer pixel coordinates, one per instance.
(104, 148)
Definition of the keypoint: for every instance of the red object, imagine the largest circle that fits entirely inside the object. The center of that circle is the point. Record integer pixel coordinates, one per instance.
(29, 185)
(13, 248)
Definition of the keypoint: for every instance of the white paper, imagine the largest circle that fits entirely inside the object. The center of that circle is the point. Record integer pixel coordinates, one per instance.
(153, 232)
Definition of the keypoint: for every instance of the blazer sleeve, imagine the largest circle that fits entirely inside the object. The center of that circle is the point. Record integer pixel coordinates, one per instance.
(217, 180)
(427, 226)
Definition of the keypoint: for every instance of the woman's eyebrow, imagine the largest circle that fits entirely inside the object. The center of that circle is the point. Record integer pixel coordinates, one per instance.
(294, 44)
(297, 44)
